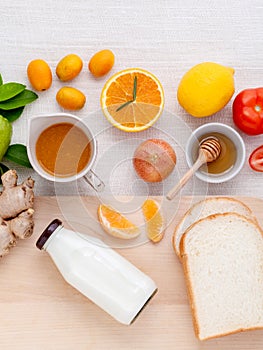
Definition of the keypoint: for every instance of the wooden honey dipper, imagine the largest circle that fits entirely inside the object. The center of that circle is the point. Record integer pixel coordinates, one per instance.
(209, 151)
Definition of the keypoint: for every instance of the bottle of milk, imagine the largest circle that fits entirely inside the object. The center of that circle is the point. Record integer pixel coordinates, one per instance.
(98, 272)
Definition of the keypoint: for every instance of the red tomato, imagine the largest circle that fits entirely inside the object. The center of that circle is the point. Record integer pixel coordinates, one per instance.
(256, 159)
(248, 111)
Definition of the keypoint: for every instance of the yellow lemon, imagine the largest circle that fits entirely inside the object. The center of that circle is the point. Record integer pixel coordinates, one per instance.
(206, 88)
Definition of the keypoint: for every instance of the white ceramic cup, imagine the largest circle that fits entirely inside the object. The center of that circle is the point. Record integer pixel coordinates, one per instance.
(233, 135)
(38, 124)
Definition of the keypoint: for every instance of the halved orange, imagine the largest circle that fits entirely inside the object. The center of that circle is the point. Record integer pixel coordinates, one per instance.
(155, 223)
(132, 100)
(116, 224)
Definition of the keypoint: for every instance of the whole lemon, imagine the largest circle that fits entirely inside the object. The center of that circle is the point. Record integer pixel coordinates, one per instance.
(101, 63)
(69, 67)
(39, 74)
(70, 98)
(206, 88)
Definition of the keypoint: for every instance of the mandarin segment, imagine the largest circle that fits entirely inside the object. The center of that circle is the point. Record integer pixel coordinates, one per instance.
(147, 90)
(115, 100)
(145, 113)
(116, 91)
(124, 116)
(125, 84)
(116, 224)
(155, 223)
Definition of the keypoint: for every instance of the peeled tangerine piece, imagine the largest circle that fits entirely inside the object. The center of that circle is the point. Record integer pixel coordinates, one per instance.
(116, 224)
(155, 223)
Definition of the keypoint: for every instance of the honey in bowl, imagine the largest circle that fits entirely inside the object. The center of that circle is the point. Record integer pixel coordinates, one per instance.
(63, 150)
(226, 159)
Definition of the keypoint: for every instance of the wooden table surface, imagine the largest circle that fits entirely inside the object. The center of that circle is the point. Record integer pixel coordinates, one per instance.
(39, 310)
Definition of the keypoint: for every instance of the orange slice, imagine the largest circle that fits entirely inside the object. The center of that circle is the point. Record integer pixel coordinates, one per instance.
(116, 224)
(132, 100)
(155, 223)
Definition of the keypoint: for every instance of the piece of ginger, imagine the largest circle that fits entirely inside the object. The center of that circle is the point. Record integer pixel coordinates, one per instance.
(16, 211)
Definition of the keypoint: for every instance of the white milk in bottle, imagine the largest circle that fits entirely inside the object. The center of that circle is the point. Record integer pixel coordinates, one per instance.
(98, 272)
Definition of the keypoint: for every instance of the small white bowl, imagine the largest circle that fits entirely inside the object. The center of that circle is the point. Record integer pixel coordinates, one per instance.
(233, 135)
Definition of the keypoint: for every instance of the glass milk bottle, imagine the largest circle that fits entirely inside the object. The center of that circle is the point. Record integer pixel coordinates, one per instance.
(98, 272)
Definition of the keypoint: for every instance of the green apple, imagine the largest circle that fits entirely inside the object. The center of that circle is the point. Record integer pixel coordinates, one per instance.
(5, 135)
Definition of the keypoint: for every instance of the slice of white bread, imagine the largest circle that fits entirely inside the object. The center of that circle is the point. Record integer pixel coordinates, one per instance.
(205, 208)
(222, 256)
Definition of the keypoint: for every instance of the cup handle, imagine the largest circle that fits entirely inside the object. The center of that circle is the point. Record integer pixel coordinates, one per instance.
(94, 181)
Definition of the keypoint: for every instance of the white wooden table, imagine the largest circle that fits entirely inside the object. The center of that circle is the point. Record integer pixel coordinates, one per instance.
(164, 37)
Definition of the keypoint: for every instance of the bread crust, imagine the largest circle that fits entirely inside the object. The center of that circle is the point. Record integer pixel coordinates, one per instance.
(189, 286)
(230, 199)
(240, 330)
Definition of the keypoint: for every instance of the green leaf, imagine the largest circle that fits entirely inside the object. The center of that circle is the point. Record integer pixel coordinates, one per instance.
(12, 114)
(3, 169)
(17, 153)
(134, 88)
(10, 90)
(25, 97)
(1, 80)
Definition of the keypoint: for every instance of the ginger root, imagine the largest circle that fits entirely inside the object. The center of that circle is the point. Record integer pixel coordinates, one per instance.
(16, 211)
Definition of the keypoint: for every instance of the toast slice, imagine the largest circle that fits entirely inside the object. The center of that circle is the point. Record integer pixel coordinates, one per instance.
(222, 257)
(205, 208)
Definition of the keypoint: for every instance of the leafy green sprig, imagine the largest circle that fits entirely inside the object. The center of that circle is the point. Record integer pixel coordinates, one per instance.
(134, 95)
